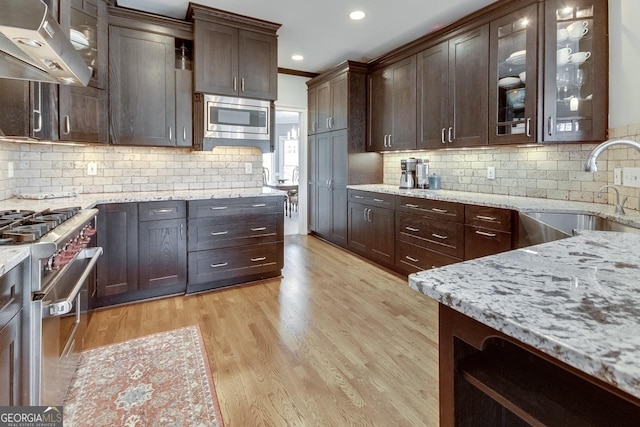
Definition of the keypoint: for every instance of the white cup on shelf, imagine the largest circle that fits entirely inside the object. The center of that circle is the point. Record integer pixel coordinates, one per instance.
(578, 29)
(579, 57)
(563, 55)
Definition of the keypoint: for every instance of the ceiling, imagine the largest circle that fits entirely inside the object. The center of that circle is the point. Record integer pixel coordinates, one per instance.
(322, 32)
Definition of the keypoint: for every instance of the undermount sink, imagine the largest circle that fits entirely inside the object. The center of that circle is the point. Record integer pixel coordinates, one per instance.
(541, 227)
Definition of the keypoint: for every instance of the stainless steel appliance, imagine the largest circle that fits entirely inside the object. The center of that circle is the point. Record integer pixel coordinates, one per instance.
(408, 173)
(61, 278)
(236, 118)
(422, 174)
(33, 46)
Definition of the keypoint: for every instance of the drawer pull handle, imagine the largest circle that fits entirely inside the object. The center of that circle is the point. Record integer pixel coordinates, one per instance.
(439, 236)
(411, 259)
(222, 264)
(378, 200)
(262, 258)
(258, 228)
(259, 205)
(439, 210)
(159, 211)
(483, 233)
(415, 230)
(218, 233)
(218, 208)
(412, 206)
(485, 218)
(358, 197)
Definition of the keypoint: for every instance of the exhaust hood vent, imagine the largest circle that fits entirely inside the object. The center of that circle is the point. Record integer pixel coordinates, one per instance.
(33, 46)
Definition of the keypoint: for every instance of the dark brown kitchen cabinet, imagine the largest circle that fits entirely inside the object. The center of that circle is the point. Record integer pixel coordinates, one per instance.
(371, 226)
(328, 103)
(83, 113)
(513, 78)
(162, 243)
(452, 88)
(234, 241)
(147, 94)
(392, 107)
(29, 109)
(576, 71)
(234, 55)
(488, 231)
(117, 268)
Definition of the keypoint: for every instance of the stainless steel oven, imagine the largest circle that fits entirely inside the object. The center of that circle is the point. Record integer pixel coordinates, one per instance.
(236, 118)
(60, 277)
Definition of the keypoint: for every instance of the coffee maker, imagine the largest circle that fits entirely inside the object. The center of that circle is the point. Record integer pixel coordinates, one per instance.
(408, 173)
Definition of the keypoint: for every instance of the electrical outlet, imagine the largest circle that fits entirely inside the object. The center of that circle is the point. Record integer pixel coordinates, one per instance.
(92, 168)
(617, 176)
(631, 177)
(10, 170)
(248, 167)
(491, 172)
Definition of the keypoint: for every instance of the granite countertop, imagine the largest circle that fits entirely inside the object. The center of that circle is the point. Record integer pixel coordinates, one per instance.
(10, 256)
(521, 204)
(576, 299)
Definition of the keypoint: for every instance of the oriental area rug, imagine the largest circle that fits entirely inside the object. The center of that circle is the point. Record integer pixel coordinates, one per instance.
(157, 380)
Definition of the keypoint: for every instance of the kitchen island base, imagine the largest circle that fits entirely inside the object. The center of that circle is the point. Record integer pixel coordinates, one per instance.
(490, 379)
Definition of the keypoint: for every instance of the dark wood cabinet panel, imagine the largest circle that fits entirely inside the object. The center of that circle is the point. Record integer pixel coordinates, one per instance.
(83, 114)
(213, 233)
(162, 253)
(469, 88)
(382, 244)
(358, 227)
(258, 65)
(446, 237)
(392, 107)
(371, 226)
(433, 96)
(412, 258)
(29, 109)
(11, 357)
(323, 100)
(141, 88)
(489, 217)
(479, 242)
(184, 108)
(215, 58)
(312, 110)
(117, 268)
(312, 193)
(436, 209)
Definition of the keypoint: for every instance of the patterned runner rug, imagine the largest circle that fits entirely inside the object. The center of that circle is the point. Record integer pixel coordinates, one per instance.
(157, 380)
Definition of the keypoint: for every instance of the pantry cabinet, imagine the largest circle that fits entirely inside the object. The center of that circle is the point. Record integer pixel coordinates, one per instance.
(328, 105)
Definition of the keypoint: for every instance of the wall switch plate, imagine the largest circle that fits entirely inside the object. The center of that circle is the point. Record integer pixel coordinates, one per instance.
(491, 172)
(92, 168)
(631, 177)
(617, 176)
(10, 170)
(248, 167)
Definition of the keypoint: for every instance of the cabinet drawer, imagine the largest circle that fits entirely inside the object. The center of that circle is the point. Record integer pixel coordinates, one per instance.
(212, 233)
(487, 217)
(372, 199)
(235, 206)
(411, 258)
(171, 209)
(479, 242)
(11, 288)
(220, 264)
(442, 236)
(431, 208)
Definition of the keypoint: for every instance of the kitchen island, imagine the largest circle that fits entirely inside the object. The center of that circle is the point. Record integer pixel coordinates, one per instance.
(574, 303)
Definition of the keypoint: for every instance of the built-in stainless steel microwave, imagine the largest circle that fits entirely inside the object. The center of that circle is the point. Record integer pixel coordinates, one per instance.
(236, 118)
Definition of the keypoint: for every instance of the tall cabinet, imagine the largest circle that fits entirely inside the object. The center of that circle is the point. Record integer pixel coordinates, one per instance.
(337, 148)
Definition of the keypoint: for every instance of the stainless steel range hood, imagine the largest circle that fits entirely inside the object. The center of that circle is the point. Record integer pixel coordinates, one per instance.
(33, 46)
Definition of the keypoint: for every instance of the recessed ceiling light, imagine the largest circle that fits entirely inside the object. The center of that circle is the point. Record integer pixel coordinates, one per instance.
(297, 57)
(357, 15)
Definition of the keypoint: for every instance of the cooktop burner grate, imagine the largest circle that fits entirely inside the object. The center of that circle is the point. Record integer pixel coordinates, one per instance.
(23, 226)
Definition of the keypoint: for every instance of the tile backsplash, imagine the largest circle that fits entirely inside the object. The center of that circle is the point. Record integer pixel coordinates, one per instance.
(63, 168)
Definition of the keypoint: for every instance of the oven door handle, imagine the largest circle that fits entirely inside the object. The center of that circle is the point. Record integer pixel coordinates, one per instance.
(60, 308)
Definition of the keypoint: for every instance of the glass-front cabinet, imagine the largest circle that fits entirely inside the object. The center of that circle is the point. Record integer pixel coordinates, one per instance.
(513, 77)
(576, 78)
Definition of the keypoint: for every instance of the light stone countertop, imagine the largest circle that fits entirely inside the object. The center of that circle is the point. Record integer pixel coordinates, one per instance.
(10, 256)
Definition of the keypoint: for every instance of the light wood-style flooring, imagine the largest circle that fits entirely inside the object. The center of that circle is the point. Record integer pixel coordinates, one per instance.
(336, 341)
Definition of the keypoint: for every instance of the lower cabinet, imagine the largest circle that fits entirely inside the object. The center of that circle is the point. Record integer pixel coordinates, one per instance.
(234, 241)
(144, 251)
(371, 226)
(487, 231)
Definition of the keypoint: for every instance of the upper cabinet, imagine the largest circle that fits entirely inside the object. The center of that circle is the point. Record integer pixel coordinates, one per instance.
(234, 55)
(144, 86)
(513, 77)
(392, 107)
(328, 105)
(576, 71)
(452, 92)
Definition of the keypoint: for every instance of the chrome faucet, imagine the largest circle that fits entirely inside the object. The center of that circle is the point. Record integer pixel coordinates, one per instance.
(591, 166)
(619, 206)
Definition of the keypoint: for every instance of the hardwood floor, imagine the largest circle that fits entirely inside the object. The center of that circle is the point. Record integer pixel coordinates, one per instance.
(335, 342)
